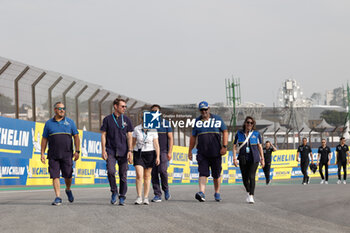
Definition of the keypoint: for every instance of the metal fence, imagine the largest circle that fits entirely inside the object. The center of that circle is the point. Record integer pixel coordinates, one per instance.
(28, 93)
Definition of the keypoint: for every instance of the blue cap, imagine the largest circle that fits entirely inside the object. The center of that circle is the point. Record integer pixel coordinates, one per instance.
(203, 105)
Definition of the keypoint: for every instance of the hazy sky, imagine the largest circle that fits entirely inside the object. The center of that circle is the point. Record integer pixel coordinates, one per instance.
(181, 51)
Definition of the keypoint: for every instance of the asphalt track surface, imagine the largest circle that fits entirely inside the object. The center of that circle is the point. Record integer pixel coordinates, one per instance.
(281, 207)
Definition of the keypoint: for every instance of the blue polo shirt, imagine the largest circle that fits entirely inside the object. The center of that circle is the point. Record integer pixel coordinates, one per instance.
(59, 135)
(254, 154)
(163, 131)
(209, 135)
(116, 129)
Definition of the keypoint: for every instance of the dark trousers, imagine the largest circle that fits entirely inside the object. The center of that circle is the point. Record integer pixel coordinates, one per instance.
(267, 169)
(160, 171)
(325, 164)
(123, 169)
(341, 164)
(248, 171)
(303, 165)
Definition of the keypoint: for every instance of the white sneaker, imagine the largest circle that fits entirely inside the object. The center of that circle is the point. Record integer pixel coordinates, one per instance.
(247, 199)
(146, 201)
(322, 182)
(251, 199)
(138, 201)
(339, 182)
(326, 182)
(344, 182)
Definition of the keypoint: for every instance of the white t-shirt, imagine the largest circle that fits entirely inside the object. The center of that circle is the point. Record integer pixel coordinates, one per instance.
(144, 141)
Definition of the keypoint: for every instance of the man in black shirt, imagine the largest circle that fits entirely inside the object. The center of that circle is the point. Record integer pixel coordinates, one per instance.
(341, 160)
(304, 151)
(325, 153)
(269, 148)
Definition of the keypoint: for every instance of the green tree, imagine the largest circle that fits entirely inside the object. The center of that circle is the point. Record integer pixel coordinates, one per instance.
(334, 117)
(6, 105)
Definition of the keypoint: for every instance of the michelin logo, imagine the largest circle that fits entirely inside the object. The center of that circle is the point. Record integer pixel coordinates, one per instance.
(9, 170)
(12, 137)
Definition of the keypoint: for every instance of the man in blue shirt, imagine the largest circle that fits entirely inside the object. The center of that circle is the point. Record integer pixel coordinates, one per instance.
(116, 142)
(208, 128)
(165, 139)
(58, 133)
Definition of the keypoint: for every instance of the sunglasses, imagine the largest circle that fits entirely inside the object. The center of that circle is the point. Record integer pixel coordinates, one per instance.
(60, 109)
(204, 110)
(124, 106)
(249, 122)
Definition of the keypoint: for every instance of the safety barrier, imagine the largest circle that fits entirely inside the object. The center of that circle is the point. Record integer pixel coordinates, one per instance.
(20, 160)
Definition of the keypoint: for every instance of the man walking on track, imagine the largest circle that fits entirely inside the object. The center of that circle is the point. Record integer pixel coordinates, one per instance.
(342, 151)
(304, 151)
(116, 142)
(208, 129)
(165, 139)
(323, 159)
(58, 133)
(269, 148)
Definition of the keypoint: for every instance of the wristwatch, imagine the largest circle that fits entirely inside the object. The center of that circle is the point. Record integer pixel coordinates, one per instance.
(77, 151)
(224, 146)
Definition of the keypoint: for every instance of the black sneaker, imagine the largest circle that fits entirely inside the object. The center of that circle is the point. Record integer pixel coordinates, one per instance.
(70, 195)
(200, 196)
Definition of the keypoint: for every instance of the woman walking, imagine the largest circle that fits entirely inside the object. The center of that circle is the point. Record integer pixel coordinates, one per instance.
(146, 154)
(248, 146)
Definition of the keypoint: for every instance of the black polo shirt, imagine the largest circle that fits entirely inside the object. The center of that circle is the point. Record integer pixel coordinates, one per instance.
(341, 153)
(116, 129)
(304, 152)
(324, 152)
(267, 154)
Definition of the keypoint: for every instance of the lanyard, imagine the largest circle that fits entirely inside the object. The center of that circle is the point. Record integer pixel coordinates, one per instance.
(145, 135)
(115, 120)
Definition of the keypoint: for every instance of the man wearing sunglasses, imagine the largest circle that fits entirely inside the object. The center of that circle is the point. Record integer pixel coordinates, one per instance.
(116, 142)
(323, 159)
(304, 151)
(58, 133)
(209, 149)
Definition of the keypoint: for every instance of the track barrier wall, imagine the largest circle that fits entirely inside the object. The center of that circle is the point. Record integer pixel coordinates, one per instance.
(20, 160)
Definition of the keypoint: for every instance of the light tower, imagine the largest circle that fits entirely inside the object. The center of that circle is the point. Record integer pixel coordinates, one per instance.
(291, 96)
(233, 98)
